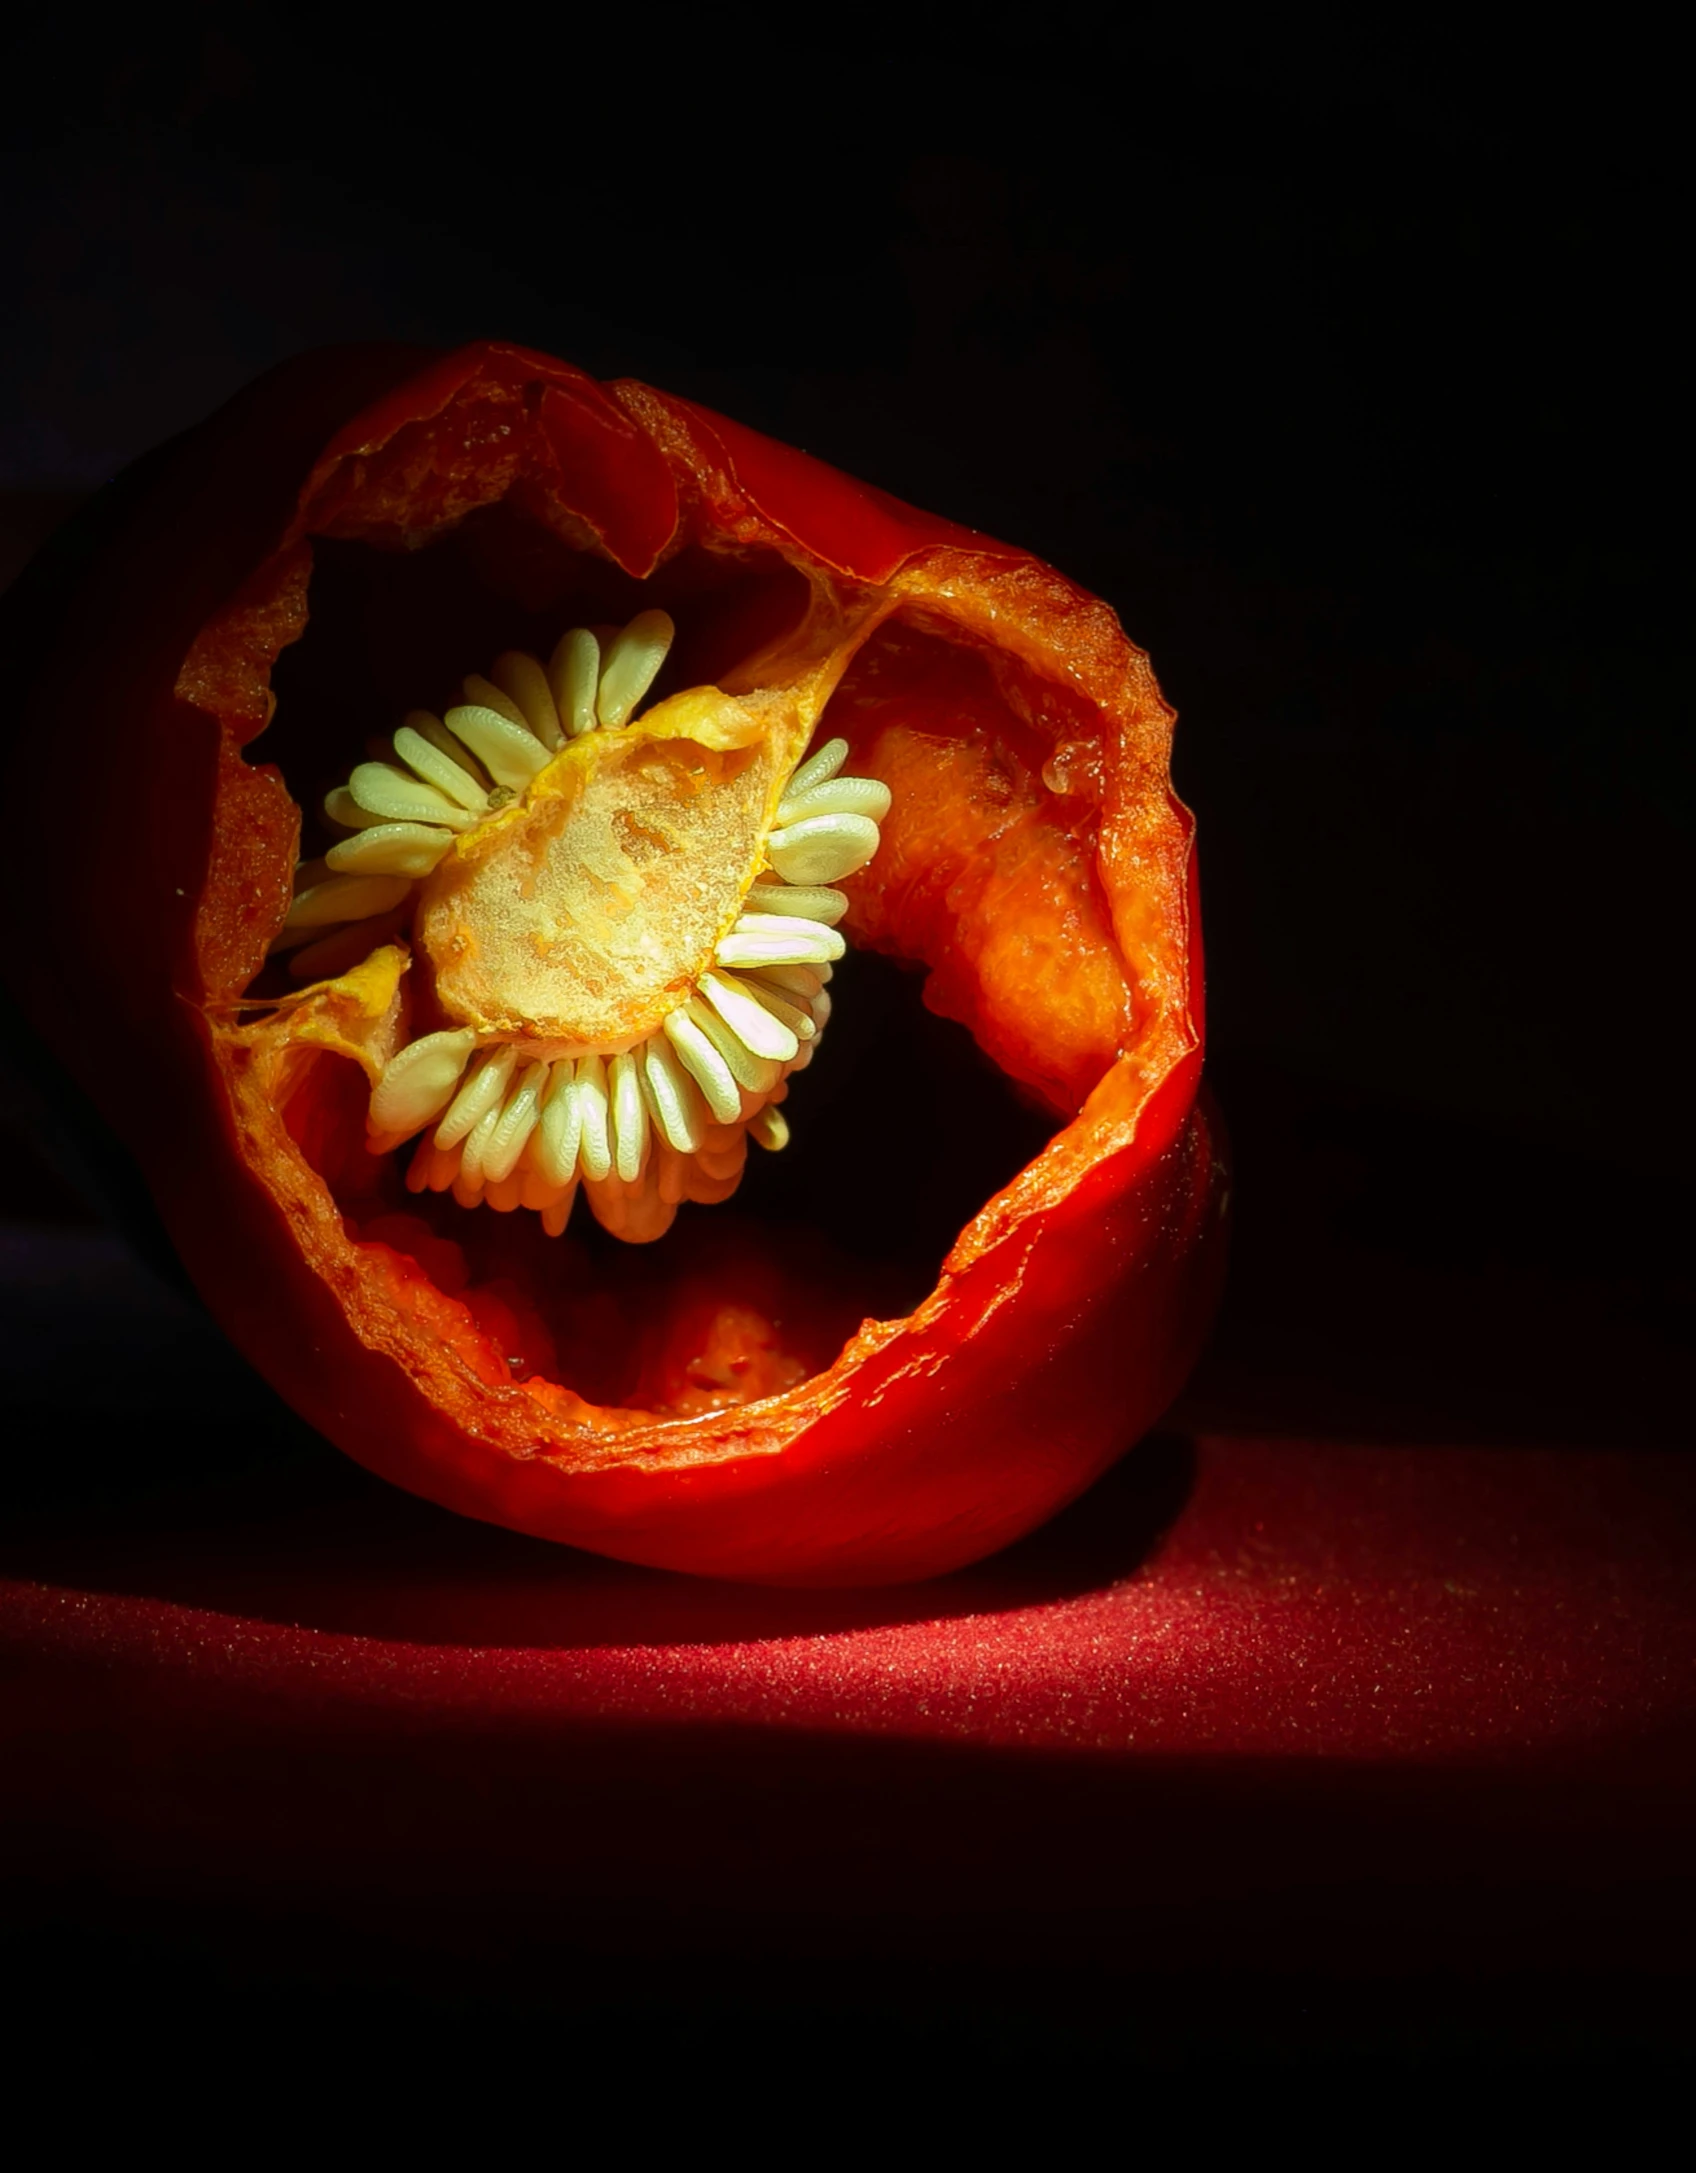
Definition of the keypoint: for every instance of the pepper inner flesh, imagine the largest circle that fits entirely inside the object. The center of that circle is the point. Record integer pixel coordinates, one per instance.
(625, 918)
(984, 881)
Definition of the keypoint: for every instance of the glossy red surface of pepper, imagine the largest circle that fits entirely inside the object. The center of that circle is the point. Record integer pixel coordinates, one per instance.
(1035, 863)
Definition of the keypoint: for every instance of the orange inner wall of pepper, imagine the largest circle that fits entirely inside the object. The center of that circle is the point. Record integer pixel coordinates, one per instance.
(424, 562)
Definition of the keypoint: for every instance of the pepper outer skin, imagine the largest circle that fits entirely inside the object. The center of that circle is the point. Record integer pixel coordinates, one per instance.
(1069, 1312)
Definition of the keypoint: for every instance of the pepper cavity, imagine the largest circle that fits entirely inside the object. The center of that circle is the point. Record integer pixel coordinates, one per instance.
(626, 920)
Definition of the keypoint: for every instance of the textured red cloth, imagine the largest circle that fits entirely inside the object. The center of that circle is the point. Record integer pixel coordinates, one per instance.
(1351, 1696)
(1374, 1666)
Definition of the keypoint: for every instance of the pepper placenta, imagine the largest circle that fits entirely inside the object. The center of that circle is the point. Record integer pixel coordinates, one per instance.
(478, 772)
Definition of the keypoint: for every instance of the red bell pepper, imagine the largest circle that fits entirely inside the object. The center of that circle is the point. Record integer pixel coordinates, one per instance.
(379, 512)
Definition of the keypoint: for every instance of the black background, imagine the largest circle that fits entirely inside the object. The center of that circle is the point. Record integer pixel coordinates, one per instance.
(1345, 371)
(1346, 375)
(1345, 368)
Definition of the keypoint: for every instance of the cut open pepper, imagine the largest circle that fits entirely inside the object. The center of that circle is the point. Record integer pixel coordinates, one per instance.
(481, 775)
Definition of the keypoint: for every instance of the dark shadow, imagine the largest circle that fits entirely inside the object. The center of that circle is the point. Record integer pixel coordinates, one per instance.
(1400, 1277)
(149, 1460)
(500, 1843)
(1394, 1281)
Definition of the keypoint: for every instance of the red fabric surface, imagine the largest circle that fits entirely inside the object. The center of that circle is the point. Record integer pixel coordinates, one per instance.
(1312, 1601)
(1375, 1664)
(1411, 1686)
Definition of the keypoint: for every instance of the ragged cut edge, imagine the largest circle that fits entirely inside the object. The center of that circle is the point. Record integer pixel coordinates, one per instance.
(1133, 1177)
